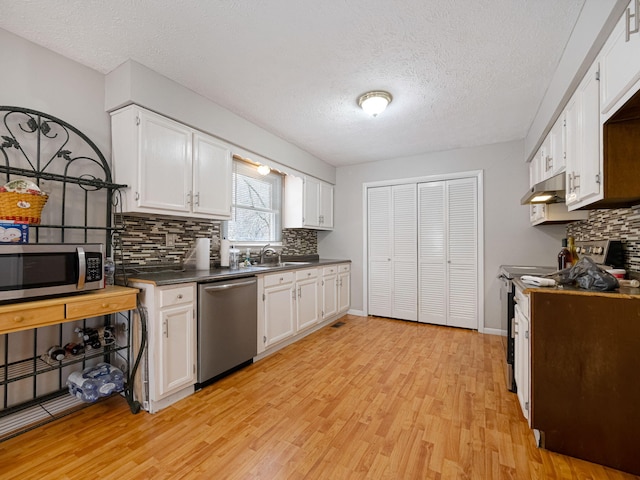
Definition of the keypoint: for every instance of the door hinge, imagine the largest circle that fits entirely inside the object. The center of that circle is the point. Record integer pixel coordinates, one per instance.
(598, 178)
(526, 334)
(194, 368)
(526, 406)
(264, 297)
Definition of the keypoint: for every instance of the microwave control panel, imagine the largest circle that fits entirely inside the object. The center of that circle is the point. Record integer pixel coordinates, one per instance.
(94, 266)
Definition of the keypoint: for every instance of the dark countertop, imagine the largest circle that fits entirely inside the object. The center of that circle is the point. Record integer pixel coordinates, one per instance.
(171, 277)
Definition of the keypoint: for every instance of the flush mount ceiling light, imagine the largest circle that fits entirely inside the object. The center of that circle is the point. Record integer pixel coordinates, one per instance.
(264, 170)
(375, 102)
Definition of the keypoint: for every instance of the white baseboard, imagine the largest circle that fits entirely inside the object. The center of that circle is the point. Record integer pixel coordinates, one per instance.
(357, 313)
(495, 331)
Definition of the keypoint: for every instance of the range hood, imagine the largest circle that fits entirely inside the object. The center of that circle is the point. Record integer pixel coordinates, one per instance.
(553, 188)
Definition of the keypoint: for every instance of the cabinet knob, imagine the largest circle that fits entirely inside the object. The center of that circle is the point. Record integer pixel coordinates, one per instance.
(179, 296)
(104, 305)
(18, 319)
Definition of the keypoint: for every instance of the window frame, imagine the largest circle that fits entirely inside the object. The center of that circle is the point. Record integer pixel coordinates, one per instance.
(280, 212)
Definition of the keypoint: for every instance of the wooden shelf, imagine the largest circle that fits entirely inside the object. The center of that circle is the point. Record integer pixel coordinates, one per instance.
(15, 317)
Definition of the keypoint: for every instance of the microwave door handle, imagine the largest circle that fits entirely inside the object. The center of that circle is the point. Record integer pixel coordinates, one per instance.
(82, 268)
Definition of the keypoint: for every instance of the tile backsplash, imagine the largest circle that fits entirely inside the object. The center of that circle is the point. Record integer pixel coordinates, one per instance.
(144, 239)
(614, 224)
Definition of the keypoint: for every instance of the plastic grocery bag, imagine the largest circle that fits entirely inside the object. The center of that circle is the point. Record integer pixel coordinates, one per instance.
(588, 275)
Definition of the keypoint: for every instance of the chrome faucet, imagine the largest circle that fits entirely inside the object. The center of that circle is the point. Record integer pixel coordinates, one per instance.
(268, 250)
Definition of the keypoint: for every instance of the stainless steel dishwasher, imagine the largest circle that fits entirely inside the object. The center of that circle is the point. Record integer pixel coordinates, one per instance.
(227, 327)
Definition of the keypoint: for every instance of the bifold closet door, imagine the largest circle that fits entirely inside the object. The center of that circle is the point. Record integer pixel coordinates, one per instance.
(392, 241)
(448, 252)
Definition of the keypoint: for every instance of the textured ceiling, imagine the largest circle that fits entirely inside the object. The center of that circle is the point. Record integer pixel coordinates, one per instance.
(461, 73)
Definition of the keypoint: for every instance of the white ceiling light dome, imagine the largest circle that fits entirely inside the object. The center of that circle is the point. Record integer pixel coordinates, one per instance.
(375, 102)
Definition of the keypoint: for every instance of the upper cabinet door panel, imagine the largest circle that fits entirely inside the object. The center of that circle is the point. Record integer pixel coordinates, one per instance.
(165, 163)
(211, 176)
(620, 60)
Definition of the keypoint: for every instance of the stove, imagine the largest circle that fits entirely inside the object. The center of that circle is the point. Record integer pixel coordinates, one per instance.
(507, 292)
(603, 252)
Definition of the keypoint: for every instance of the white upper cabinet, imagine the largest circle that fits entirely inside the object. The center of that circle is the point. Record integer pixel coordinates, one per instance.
(169, 168)
(620, 60)
(555, 161)
(584, 161)
(211, 177)
(308, 203)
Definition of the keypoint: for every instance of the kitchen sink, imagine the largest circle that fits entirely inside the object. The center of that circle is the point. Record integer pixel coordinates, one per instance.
(291, 264)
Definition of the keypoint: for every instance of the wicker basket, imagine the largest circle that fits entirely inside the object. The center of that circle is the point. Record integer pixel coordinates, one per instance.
(21, 207)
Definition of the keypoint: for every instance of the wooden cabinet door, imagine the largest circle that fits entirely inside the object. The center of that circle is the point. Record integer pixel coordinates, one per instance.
(279, 311)
(329, 295)
(177, 343)
(165, 164)
(325, 190)
(211, 177)
(344, 291)
(620, 60)
(311, 202)
(307, 304)
(584, 159)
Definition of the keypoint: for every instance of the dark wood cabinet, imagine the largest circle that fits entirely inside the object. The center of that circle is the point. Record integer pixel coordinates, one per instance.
(585, 362)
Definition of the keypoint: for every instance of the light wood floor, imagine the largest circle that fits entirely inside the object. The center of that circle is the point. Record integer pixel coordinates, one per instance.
(374, 399)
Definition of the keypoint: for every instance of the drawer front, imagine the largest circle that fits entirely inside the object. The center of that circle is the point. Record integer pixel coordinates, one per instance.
(307, 273)
(344, 268)
(31, 318)
(278, 279)
(177, 296)
(97, 307)
(330, 270)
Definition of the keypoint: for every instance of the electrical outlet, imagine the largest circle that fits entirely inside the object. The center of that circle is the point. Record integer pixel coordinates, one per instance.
(171, 239)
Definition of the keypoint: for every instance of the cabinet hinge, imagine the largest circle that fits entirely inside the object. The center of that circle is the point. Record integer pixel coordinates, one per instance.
(194, 368)
(264, 339)
(598, 74)
(526, 406)
(137, 120)
(264, 297)
(526, 334)
(597, 178)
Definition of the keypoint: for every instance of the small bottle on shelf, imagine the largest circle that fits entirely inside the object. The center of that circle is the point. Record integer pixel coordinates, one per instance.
(564, 257)
(572, 249)
(109, 271)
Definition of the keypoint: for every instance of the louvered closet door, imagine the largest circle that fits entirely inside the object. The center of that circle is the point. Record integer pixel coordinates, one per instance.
(404, 247)
(448, 252)
(432, 249)
(463, 252)
(392, 251)
(379, 244)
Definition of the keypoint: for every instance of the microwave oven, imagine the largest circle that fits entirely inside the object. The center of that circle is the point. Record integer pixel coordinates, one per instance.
(28, 271)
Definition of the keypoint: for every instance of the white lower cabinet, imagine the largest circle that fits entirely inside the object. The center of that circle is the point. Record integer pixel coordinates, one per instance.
(307, 301)
(278, 299)
(522, 356)
(329, 291)
(172, 349)
(344, 287)
(297, 302)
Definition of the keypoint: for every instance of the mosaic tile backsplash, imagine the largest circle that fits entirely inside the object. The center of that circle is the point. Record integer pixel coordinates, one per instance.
(615, 224)
(144, 240)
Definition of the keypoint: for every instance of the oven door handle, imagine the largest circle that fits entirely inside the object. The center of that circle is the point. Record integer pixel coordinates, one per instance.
(82, 268)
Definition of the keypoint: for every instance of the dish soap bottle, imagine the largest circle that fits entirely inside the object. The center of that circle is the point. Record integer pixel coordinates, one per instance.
(247, 258)
(564, 257)
(572, 249)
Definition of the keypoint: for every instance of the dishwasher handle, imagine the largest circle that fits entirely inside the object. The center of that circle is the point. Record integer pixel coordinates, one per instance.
(227, 286)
